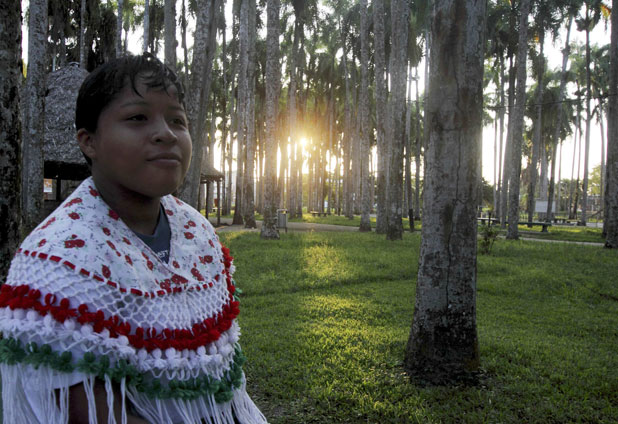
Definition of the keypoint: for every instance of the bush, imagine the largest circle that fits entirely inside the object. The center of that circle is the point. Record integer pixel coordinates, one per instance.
(488, 235)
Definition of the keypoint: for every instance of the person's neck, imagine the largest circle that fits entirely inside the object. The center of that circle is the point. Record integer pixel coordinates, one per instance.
(140, 213)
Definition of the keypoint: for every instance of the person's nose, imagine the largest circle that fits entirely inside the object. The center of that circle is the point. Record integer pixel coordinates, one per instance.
(162, 133)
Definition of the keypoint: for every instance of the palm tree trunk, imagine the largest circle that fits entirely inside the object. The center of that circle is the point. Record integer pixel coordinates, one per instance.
(588, 126)
(249, 112)
(417, 156)
(408, 154)
(443, 343)
(10, 133)
(169, 16)
(518, 122)
(365, 224)
(183, 27)
(536, 141)
(380, 99)
(396, 110)
(146, 37)
(611, 196)
(556, 138)
(273, 76)
(196, 95)
(33, 115)
(119, 27)
(83, 55)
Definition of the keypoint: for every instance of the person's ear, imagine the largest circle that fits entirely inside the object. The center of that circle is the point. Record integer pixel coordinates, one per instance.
(85, 140)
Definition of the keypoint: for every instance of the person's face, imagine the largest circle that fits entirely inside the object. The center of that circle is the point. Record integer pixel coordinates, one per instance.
(141, 145)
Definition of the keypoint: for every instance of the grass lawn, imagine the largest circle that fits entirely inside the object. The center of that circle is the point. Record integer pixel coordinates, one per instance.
(326, 316)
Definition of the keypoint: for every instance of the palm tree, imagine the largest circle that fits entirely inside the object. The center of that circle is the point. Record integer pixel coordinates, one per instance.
(146, 39)
(10, 132)
(170, 32)
(443, 342)
(563, 80)
(34, 105)
(396, 109)
(119, 27)
(518, 121)
(197, 94)
(380, 100)
(365, 225)
(248, 97)
(83, 55)
(587, 23)
(611, 197)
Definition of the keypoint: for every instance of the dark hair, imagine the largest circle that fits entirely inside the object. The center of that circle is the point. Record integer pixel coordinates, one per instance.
(105, 82)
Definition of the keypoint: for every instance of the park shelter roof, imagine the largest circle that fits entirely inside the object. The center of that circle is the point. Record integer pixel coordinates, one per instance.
(210, 174)
(62, 156)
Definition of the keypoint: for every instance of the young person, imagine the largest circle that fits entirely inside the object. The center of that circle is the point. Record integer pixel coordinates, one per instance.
(120, 306)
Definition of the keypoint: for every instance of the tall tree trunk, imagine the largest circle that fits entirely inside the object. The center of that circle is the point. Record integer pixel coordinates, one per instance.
(119, 26)
(443, 342)
(380, 99)
(506, 168)
(408, 154)
(518, 121)
(183, 34)
(572, 187)
(588, 124)
(365, 224)
(10, 133)
(197, 95)
(146, 37)
(356, 145)
(331, 149)
(536, 141)
(417, 156)
(611, 192)
(210, 158)
(603, 165)
(556, 136)
(34, 116)
(83, 54)
(292, 109)
(396, 110)
(247, 70)
(170, 33)
(347, 140)
(500, 161)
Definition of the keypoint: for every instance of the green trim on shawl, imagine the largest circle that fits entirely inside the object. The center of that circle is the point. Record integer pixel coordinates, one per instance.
(12, 352)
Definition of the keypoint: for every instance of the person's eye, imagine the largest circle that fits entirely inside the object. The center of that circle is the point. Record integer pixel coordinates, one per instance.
(137, 117)
(179, 121)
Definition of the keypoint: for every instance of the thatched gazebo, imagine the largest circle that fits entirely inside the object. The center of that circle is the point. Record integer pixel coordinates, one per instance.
(63, 160)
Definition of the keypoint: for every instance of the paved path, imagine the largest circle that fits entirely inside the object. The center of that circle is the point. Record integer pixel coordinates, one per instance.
(292, 226)
(226, 225)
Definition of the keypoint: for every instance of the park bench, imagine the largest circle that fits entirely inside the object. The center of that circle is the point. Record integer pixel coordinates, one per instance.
(316, 213)
(489, 221)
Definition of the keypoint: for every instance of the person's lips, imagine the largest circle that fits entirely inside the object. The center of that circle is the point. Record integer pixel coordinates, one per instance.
(166, 159)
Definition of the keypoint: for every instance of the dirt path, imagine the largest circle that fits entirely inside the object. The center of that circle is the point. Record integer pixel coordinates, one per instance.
(226, 225)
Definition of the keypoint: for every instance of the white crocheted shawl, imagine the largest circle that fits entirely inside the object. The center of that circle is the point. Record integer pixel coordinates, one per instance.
(86, 298)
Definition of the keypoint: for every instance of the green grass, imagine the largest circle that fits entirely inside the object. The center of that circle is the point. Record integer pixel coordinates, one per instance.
(325, 319)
